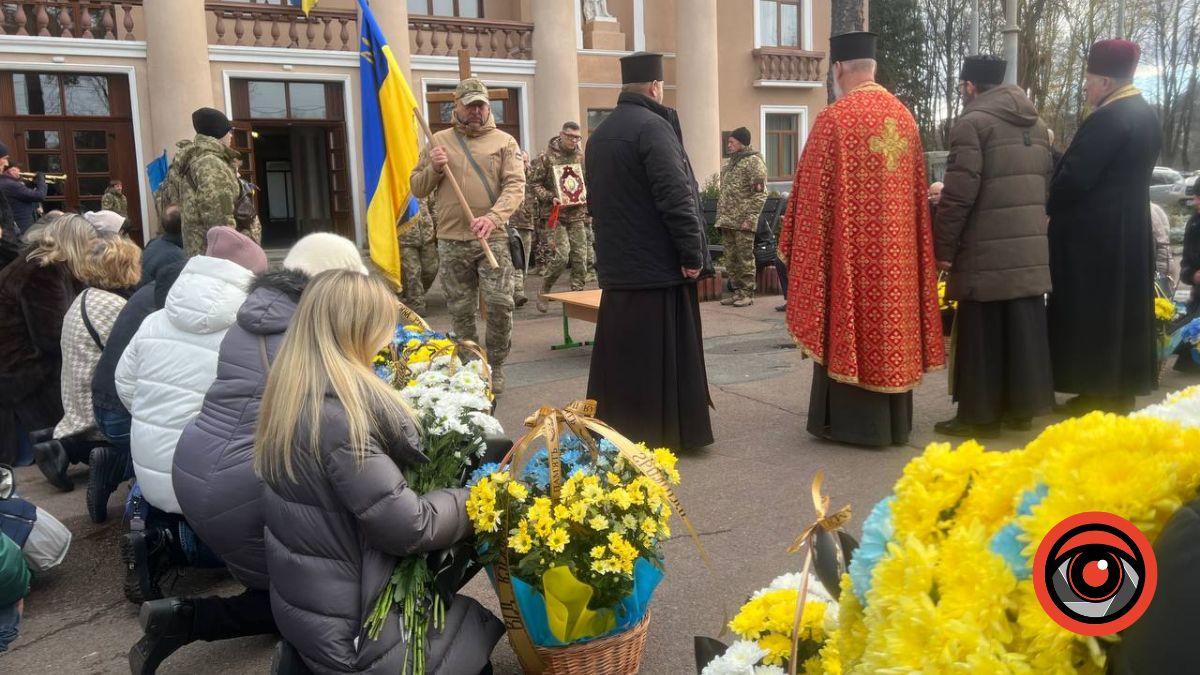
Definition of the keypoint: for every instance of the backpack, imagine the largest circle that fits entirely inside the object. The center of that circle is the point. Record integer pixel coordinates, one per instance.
(170, 193)
(244, 210)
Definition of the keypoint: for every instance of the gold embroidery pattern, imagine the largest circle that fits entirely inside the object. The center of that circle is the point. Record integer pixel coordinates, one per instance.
(890, 144)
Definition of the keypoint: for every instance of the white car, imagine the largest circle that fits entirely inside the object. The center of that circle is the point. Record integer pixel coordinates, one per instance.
(1167, 187)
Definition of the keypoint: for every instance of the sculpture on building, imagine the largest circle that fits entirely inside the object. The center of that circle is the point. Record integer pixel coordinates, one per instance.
(596, 10)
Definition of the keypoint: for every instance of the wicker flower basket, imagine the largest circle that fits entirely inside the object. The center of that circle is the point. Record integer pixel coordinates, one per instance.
(619, 654)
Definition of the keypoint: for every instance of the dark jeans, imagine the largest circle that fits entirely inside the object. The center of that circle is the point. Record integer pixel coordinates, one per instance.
(217, 618)
(115, 427)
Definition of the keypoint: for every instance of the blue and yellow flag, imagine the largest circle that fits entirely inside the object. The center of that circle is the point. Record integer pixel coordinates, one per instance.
(390, 146)
(305, 5)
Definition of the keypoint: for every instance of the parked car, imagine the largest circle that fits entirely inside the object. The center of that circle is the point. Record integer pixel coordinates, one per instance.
(1167, 187)
(1189, 187)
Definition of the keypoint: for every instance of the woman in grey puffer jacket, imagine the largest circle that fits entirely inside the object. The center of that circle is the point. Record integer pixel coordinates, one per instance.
(330, 444)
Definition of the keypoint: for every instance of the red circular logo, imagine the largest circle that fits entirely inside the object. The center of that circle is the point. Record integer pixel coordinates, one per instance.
(1095, 573)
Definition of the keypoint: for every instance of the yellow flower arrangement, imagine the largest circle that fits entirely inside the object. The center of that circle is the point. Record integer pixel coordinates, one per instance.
(605, 517)
(768, 619)
(943, 599)
(1164, 309)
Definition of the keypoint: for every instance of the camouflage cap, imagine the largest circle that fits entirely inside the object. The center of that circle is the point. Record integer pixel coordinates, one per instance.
(471, 91)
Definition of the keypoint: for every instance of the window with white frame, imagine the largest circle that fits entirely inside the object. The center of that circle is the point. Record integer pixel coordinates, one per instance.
(470, 9)
(783, 134)
(780, 23)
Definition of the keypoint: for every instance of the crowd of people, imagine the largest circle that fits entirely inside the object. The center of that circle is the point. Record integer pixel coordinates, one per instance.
(243, 401)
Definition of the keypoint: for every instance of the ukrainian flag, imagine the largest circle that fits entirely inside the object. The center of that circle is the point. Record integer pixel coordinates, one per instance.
(390, 146)
(305, 5)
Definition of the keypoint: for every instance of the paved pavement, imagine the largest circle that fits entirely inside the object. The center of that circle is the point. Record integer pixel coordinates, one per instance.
(747, 494)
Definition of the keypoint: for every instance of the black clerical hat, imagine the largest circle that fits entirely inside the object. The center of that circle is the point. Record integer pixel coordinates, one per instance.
(641, 67)
(983, 69)
(852, 46)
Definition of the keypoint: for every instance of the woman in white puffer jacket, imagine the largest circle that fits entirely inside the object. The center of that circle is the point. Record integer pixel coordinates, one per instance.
(172, 361)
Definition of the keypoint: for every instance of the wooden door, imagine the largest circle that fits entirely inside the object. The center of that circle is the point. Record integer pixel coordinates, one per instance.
(341, 202)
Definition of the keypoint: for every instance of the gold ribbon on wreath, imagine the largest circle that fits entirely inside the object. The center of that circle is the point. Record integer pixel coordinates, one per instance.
(547, 423)
(827, 522)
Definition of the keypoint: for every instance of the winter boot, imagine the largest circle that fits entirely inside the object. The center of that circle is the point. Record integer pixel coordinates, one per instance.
(167, 624)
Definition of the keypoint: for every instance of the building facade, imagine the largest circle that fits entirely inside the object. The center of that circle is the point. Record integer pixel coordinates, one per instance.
(98, 89)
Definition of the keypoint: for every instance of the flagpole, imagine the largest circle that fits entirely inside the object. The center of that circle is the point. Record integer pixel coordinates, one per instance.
(462, 200)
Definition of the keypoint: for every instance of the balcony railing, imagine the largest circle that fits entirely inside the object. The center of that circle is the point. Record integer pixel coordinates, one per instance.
(483, 38)
(90, 19)
(262, 25)
(788, 65)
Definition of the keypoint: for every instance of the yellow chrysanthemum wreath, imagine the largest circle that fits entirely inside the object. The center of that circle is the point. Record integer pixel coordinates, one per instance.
(941, 599)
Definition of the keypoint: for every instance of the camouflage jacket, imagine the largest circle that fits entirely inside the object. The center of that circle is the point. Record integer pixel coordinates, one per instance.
(527, 216)
(209, 189)
(541, 176)
(743, 191)
(423, 230)
(115, 201)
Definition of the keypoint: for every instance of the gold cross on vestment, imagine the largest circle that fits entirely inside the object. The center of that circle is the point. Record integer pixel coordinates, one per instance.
(890, 144)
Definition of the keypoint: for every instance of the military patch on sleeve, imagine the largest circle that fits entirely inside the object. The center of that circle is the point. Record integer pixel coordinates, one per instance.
(759, 186)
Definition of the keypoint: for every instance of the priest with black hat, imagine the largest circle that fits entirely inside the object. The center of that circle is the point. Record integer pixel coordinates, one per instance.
(990, 238)
(1101, 311)
(857, 241)
(647, 375)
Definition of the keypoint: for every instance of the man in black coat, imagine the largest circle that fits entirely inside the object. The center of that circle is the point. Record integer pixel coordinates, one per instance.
(24, 201)
(10, 238)
(647, 374)
(1101, 309)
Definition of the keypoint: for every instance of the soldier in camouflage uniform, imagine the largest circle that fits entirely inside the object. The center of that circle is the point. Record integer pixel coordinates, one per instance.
(570, 234)
(204, 179)
(743, 194)
(487, 164)
(418, 258)
(114, 199)
(522, 223)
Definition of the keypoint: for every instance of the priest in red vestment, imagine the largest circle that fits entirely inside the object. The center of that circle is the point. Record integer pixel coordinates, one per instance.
(858, 243)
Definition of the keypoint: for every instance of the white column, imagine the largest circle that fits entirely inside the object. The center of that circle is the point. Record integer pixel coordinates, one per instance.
(697, 94)
(556, 80)
(177, 63)
(392, 17)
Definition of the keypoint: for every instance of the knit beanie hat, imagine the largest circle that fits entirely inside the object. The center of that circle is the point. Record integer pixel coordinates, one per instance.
(323, 251)
(229, 244)
(3, 150)
(211, 122)
(105, 222)
(742, 134)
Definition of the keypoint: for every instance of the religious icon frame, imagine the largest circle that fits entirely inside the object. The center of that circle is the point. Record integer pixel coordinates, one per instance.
(569, 185)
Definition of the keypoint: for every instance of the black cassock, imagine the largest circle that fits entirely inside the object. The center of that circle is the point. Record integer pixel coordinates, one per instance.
(648, 376)
(1100, 315)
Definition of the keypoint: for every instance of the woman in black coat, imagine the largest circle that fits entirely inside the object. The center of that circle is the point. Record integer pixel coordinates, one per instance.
(35, 291)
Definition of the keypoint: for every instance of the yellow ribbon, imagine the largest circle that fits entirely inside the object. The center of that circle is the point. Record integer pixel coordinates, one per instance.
(829, 522)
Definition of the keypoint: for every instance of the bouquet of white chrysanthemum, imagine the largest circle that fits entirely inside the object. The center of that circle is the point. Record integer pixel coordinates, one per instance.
(451, 399)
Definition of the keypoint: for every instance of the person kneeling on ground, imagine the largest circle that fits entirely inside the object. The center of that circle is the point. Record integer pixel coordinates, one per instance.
(213, 473)
(330, 443)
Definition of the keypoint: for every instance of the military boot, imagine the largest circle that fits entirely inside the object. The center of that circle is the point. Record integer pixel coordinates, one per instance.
(744, 300)
(543, 305)
(731, 299)
(497, 379)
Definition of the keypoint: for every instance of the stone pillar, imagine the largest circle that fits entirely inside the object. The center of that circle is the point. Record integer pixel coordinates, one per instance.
(697, 93)
(556, 80)
(392, 17)
(176, 67)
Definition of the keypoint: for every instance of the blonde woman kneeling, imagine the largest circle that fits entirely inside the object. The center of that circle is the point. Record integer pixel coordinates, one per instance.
(331, 441)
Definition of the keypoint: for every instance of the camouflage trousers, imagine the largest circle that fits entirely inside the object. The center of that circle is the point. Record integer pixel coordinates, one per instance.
(526, 237)
(570, 248)
(465, 272)
(591, 249)
(418, 269)
(543, 248)
(739, 260)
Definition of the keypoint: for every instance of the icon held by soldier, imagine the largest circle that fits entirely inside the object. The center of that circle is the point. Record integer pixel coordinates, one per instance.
(743, 194)
(487, 165)
(558, 180)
